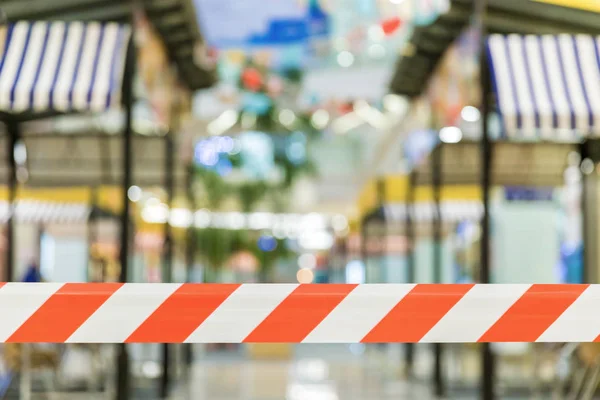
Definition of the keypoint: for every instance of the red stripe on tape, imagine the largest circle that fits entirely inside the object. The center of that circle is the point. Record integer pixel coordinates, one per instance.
(299, 313)
(417, 313)
(533, 313)
(64, 312)
(180, 314)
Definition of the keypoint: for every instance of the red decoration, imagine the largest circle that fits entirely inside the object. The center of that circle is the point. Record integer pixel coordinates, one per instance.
(345, 108)
(391, 25)
(252, 79)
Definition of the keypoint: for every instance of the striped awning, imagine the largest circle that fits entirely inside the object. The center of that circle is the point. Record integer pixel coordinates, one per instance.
(547, 86)
(61, 66)
(451, 211)
(41, 212)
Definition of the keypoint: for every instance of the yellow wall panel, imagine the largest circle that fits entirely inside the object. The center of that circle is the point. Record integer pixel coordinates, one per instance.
(588, 5)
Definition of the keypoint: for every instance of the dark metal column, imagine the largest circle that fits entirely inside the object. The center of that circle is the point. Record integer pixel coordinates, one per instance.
(165, 381)
(436, 225)
(364, 251)
(14, 132)
(487, 357)
(190, 248)
(92, 234)
(409, 355)
(590, 152)
(123, 377)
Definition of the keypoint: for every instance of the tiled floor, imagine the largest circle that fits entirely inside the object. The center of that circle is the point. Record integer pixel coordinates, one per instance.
(313, 373)
(320, 372)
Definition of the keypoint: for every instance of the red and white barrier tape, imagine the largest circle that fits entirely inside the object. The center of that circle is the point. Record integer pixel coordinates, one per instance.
(325, 313)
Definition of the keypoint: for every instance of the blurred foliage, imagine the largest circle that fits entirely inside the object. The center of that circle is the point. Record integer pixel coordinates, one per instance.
(215, 246)
(267, 89)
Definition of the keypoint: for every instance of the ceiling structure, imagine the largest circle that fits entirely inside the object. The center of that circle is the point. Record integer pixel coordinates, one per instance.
(174, 21)
(427, 44)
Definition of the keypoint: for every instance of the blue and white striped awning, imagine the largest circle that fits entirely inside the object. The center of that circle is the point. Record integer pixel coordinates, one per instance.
(423, 212)
(547, 86)
(42, 212)
(61, 66)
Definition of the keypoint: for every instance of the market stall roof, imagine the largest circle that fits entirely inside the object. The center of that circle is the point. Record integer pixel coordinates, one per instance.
(450, 211)
(173, 19)
(515, 163)
(546, 86)
(60, 66)
(49, 212)
(391, 218)
(427, 44)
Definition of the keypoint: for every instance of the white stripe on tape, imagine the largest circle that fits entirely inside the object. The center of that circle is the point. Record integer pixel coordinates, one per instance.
(358, 313)
(123, 313)
(241, 313)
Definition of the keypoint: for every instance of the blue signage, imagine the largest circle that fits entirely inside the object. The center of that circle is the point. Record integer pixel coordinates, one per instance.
(260, 23)
(522, 193)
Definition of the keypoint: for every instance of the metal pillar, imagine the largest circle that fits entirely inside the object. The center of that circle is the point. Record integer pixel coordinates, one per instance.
(92, 234)
(436, 225)
(364, 233)
(123, 378)
(190, 249)
(590, 150)
(409, 355)
(14, 132)
(487, 357)
(165, 381)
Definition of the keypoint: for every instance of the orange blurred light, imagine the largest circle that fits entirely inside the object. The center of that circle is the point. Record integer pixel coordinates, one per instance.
(305, 275)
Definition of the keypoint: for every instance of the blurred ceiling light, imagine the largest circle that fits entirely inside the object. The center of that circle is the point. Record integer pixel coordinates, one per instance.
(260, 220)
(361, 106)
(236, 220)
(134, 193)
(151, 369)
(450, 134)
(152, 201)
(223, 122)
(307, 261)
(572, 175)
(339, 223)
(305, 276)
(181, 218)
(346, 123)
(155, 214)
(202, 218)
(394, 103)
(397, 2)
(345, 58)
(376, 33)
(376, 51)
(319, 240)
(287, 117)
(320, 119)
(470, 114)
(20, 153)
(587, 166)
(369, 114)
(314, 221)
